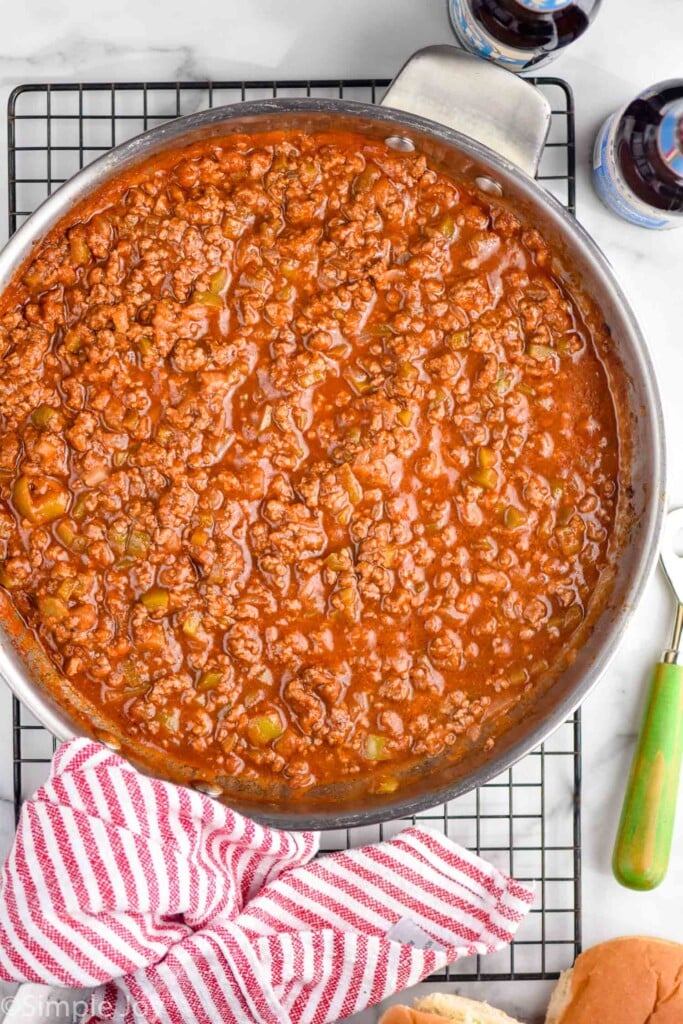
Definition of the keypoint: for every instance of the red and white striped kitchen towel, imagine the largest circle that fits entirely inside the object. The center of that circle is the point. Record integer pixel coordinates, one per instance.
(179, 910)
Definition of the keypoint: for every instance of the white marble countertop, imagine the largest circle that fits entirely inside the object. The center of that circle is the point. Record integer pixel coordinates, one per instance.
(631, 45)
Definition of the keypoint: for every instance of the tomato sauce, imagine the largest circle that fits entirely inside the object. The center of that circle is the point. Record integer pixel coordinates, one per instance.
(308, 462)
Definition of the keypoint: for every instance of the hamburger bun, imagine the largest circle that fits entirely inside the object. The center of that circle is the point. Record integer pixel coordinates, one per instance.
(442, 1008)
(625, 981)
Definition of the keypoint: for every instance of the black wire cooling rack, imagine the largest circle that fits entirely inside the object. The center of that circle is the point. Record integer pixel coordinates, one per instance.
(527, 821)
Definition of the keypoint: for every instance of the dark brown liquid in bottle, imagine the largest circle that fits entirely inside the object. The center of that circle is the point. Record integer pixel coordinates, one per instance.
(527, 28)
(649, 146)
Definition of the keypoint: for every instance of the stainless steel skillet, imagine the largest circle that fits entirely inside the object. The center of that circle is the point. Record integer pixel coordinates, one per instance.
(487, 128)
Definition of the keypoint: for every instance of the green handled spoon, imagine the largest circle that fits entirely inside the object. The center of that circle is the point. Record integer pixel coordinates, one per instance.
(641, 853)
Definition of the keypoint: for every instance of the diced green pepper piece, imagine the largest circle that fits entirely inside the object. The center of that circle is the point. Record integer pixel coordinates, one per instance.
(540, 352)
(367, 178)
(164, 434)
(146, 345)
(438, 398)
(388, 785)
(263, 729)
(503, 382)
(564, 514)
(572, 618)
(379, 331)
(344, 516)
(192, 623)
(513, 517)
(337, 561)
(131, 677)
(117, 536)
(348, 598)
(486, 478)
(518, 676)
(389, 556)
(208, 681)
(232, 228)
(74, 340)
(52, 608)
(375, 748)
(218, 281)
(169, 718)
(350, 484)
(407, 370)
(80, 252)
(447, 226)
(207, 299)
(138, 543)
(359, 381)
(80, 586)
(486, 457)
(67, 587)
(69, 537)
(44, 415)
(155, 599)
(80, 506)
(6, 579)
(40, 504)
(570, 537)
(458, 339)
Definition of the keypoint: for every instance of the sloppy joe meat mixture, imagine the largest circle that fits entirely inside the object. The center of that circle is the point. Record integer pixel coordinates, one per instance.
(308, 463)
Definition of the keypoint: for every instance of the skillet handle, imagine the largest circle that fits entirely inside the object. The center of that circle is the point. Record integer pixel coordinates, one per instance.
(643, 846)
(477, 98)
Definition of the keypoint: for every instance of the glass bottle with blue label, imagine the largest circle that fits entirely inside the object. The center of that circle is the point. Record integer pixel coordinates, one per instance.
(638, 158)
(520, 34)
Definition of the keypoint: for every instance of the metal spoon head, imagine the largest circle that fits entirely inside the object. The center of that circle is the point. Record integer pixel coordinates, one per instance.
(672, 551)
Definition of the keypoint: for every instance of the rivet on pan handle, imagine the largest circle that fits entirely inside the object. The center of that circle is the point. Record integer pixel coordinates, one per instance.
(478, 99)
